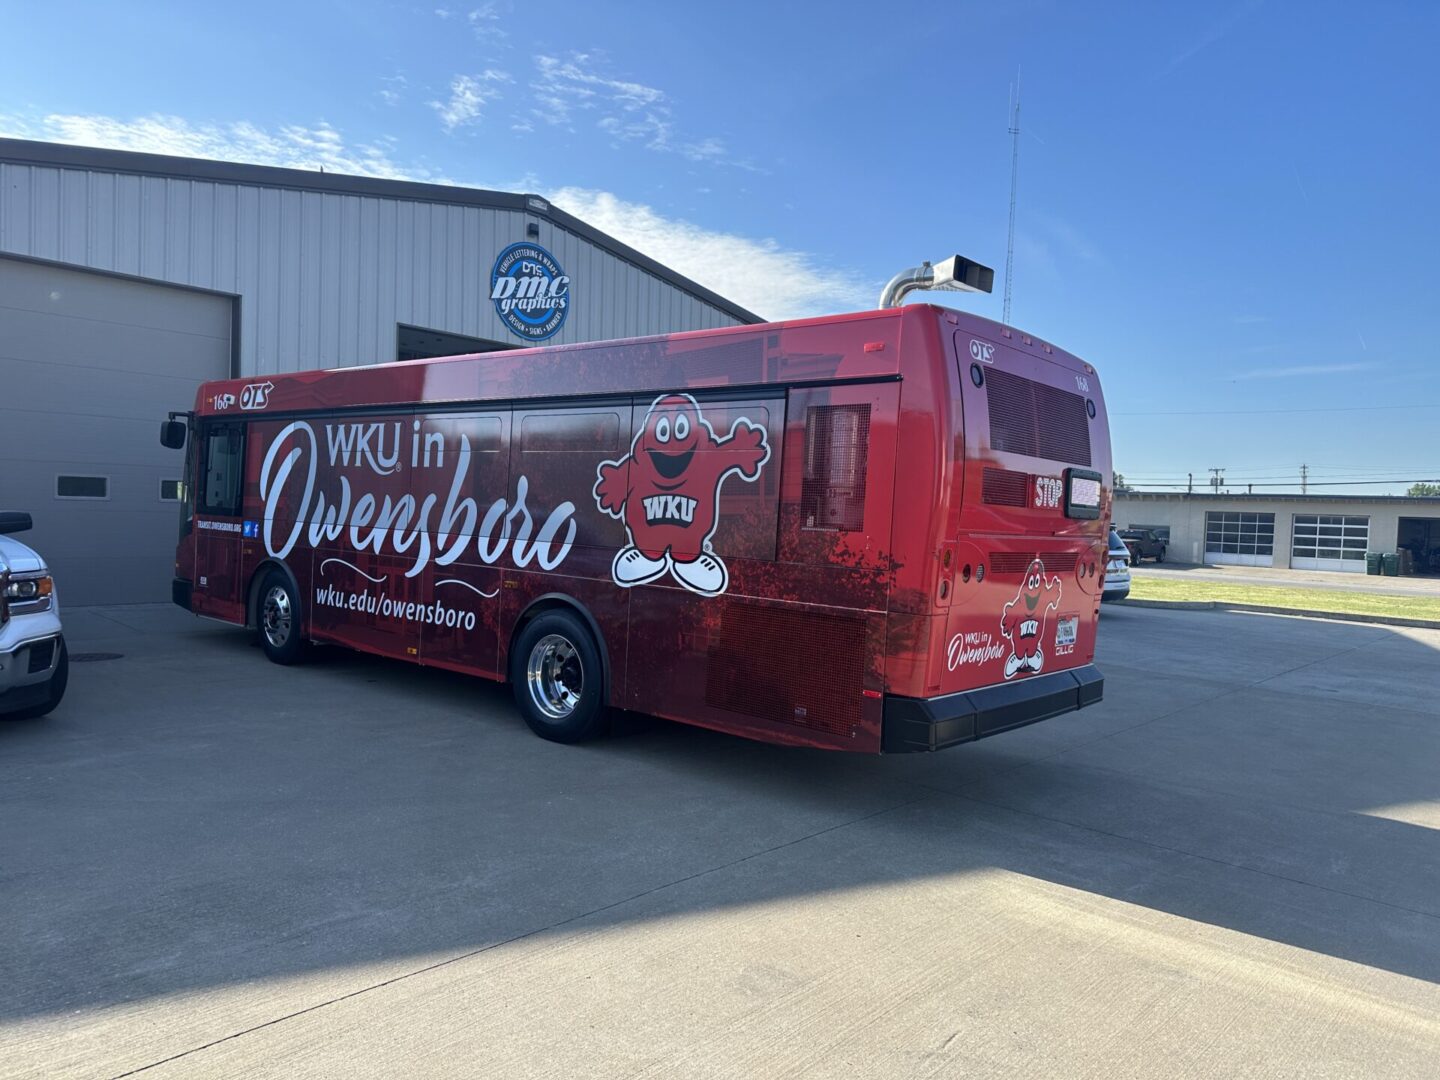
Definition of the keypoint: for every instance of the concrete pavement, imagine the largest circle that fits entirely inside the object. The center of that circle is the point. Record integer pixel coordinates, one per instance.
(213, 866)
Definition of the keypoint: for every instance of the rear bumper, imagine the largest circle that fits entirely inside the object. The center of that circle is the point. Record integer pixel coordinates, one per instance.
(914, 724)
(1118, 593)
(180, 593)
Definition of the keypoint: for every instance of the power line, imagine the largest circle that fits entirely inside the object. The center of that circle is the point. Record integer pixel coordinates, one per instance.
(1270, 412)
(1323, 483)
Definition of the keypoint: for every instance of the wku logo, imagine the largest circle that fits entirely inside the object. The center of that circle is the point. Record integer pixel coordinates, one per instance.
(1022, 621)
(667, 491)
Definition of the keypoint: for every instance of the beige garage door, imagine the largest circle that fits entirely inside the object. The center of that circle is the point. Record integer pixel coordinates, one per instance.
(89, 365)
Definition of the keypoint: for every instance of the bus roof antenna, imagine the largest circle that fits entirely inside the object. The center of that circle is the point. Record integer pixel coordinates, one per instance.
(955, 274)
(1014, 177)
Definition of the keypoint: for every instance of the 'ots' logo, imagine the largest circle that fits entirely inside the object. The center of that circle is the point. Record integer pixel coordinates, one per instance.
(981, 350)
(256, 395)
(667, 491)
(530, 291)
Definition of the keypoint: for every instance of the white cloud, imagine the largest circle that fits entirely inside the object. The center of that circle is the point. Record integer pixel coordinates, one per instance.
(292, 146)
(443, 13)
(758, 274)
(393, 89)
(485, 23)
(469, 94)
(627, 111)
(563, 87)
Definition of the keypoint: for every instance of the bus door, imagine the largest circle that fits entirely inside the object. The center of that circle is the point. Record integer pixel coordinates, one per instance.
(361, 592)
(462, 461)
(217, 526)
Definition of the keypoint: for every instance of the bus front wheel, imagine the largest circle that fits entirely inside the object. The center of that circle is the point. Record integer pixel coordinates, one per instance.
(558, 678)
(277, 617)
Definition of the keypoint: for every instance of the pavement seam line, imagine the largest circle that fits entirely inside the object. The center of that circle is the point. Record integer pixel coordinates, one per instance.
(519, 937)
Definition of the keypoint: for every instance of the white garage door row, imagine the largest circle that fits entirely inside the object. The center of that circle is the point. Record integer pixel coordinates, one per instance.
(1317, 541)
(90, 364)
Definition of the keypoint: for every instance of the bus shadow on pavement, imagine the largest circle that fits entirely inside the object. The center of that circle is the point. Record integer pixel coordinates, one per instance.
(1271, 777)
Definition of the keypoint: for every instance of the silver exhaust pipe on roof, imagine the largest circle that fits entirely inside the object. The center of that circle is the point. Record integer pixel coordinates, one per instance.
(955, 274)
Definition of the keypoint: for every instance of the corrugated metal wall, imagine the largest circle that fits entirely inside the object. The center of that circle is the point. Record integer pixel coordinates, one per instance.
(323, 278)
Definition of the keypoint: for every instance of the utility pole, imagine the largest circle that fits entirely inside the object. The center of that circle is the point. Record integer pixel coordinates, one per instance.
(1014, 177)
(1217, 477)
(1304, 479)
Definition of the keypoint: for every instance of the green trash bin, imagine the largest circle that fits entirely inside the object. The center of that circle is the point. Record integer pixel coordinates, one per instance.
(1372, 563)
(1391, 562)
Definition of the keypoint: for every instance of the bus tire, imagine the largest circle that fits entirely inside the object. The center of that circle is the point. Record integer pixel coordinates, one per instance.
(558, 678)
(278, 619)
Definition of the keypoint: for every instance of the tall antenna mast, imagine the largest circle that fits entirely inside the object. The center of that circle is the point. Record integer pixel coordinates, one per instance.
(1014, 176)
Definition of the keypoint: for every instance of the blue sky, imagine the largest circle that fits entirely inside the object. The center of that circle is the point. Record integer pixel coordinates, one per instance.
(1229, 208)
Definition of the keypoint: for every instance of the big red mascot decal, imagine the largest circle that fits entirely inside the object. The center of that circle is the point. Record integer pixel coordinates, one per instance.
(667, 490)
(1023, 620)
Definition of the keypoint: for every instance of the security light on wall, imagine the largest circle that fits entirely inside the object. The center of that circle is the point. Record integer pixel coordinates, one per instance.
(532, 230)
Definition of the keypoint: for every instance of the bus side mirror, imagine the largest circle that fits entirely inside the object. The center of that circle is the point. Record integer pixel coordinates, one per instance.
(172, 434)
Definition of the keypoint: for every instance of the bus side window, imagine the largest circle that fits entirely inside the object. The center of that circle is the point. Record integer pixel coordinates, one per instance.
(223, 469)
(838, 491)
(837, 440)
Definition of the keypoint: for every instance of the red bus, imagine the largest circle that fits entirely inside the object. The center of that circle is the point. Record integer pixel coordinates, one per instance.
(881, 531)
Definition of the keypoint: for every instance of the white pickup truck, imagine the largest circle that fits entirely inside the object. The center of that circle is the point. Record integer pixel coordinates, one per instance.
(34, 666)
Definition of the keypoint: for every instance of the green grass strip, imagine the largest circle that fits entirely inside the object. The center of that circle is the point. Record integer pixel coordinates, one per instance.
(1280, 596)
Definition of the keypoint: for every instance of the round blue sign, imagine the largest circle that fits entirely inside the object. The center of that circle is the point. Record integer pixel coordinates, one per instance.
(530, 291)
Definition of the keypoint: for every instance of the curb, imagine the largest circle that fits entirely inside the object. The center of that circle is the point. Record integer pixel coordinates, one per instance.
(1267, 609)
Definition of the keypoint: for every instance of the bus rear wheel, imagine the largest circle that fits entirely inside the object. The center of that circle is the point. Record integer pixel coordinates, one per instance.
(277, 617)
(558, 678)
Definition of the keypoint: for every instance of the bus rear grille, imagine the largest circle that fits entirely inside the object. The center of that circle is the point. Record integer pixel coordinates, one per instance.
(1017, 562)
(1035, 419)
(790, 667)
(1004, 487)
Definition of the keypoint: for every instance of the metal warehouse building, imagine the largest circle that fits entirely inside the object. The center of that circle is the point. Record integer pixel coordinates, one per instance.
(127, 279)
(1302, 532)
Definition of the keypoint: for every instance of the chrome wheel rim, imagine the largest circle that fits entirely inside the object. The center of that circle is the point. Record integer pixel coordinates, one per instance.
(276, 617)
(556, 676)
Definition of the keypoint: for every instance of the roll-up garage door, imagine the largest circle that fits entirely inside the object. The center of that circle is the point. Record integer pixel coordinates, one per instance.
(1330, 542)
(89, 366)
(1239, 538)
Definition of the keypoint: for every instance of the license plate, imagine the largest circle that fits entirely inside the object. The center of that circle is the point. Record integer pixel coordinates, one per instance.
(1065, 630)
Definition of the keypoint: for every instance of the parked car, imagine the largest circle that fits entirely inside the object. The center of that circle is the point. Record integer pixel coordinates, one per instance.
(1143, 544)
(34, 666)
(1117, 569)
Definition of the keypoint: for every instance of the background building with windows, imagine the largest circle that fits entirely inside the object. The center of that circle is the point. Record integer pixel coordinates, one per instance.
(1301, 532)
(128, 279)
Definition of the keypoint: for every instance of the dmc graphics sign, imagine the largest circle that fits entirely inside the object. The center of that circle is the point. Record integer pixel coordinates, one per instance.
(530, 291)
